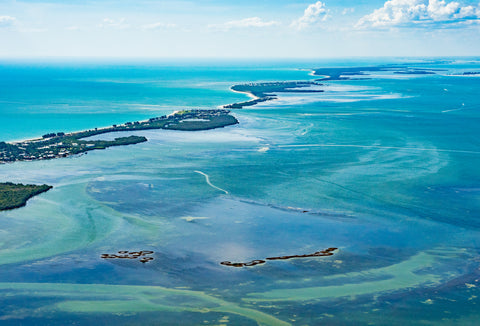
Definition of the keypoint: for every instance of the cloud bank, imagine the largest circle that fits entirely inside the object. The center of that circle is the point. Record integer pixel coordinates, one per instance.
(114, 23)
(420, 13)
(244, 23)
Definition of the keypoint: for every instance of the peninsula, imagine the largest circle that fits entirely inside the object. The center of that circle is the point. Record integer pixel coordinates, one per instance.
(262, 92)
(268, 91)
(16, 195)
(60, 144)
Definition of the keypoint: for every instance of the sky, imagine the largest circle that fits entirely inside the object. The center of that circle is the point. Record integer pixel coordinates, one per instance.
(238, 29)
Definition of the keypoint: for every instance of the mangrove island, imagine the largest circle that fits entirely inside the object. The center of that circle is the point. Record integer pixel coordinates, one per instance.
(16, 195)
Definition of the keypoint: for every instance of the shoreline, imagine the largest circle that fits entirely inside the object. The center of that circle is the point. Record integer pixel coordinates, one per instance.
(60, 144)
(14, 196)
(351, 73)
(249, 94)
(17, 142)
(268, 91)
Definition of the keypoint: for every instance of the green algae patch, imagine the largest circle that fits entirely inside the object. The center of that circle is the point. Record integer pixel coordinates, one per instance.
(114, 306)
(401, 276)
(100, 298)
(56, 229)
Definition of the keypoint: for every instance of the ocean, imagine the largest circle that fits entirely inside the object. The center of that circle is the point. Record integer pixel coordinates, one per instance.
(383, 166)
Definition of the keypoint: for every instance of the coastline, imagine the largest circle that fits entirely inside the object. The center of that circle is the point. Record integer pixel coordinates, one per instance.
(71, 133)
(379, 169)
(249, 94)
(346, 73)
(268, 91)
(60, 144)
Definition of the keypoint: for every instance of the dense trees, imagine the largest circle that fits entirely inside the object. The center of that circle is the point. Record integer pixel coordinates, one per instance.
(16, 195)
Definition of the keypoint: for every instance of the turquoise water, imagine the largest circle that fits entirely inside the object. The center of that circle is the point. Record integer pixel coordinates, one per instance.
(385, 169)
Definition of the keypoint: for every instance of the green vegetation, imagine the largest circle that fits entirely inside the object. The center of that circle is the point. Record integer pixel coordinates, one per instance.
(335, 73)
(249, 103)
(16, 195)
(54, 145)
(268, 91)
(219, 121)
(342, 73)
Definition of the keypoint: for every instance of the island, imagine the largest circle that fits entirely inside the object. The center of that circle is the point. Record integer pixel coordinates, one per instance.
(125, 254)
(321, 253)
(60, 144)
(16, 195)
(262, 92)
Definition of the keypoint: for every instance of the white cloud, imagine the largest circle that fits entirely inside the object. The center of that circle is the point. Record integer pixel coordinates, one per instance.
(6, 21)
(418, 12)
(244, 23)
(313, 14)
(114, 23)
(158, 25)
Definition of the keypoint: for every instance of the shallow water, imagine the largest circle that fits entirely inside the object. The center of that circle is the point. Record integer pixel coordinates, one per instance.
(389, 176)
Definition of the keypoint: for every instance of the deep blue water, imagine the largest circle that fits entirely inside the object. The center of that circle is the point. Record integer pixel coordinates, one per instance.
(386, 168)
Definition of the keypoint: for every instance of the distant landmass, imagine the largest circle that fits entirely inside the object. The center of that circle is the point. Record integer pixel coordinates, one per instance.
(344, 72)
(268, 91)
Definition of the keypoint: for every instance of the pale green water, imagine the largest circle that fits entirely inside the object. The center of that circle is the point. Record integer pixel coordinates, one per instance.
(386, 172)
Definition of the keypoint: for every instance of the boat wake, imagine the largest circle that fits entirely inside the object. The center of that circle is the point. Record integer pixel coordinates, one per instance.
(207, 179)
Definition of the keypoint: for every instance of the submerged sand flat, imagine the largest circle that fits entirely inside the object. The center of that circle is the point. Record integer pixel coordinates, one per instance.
(392, 182)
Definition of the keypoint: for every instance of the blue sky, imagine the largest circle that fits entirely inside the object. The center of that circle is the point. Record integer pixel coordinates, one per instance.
(238, 29)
